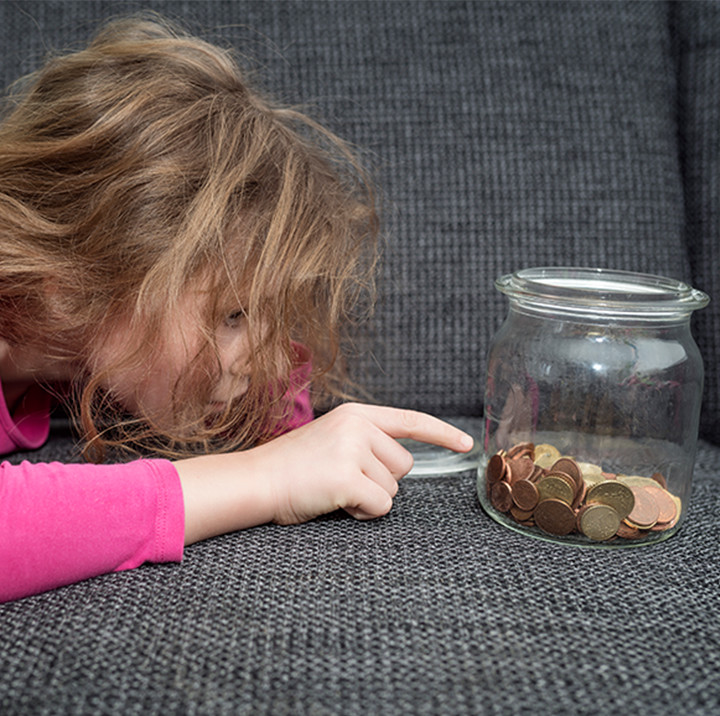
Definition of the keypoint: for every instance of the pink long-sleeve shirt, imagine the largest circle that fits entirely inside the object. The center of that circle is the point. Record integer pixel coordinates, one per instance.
(62, 523)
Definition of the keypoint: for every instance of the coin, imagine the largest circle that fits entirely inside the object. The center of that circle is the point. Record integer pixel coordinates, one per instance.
(660, 479)
(520, 515)
(501, 496)
(613, 493)
(546, 455)
(522, 468)
(626, 531)
(669, 525)
(568, 466)
(557, 486)
(495, 469)
(666, 504)
(589, 468)
(538, 472)
(645, 511)
(637, 480)
(599, 522)
(521, 450)
(555, 517)
(591, 473)
(566, 495)
(580, 497)
(525, 495)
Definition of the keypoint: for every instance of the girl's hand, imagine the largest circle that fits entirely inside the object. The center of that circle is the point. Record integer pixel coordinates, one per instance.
(347, 459)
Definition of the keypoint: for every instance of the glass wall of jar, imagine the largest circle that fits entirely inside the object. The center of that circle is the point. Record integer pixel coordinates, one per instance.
(592, 406)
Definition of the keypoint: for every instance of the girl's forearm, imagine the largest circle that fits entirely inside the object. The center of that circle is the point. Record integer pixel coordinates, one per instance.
(222, 493)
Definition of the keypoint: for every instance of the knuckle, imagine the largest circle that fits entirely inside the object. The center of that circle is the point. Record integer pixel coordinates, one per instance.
(409, 419)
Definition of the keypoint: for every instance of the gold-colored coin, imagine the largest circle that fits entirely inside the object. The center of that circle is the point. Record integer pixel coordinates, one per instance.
(555, 486)
(590, 472)
(636, 481)
(599, 522)
(613, 493)
(546, 455)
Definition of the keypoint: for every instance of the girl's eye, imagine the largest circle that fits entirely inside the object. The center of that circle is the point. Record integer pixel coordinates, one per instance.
(234, 319)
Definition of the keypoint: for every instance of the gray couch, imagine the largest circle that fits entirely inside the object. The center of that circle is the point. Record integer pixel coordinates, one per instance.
(504, 135)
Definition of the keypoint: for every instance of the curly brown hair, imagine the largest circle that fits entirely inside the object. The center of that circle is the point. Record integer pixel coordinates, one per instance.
(146, 164)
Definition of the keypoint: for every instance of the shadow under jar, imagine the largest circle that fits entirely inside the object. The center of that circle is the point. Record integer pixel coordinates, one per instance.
(592, 405)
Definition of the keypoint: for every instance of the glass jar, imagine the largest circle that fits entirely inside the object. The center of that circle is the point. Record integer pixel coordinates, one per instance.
(592, 406)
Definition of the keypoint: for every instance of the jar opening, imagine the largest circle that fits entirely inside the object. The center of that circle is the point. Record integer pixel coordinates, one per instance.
(601, 292)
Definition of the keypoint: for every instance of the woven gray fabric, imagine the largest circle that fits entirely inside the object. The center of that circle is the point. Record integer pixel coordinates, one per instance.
(434, 609)
(695, 33)
(504, 135)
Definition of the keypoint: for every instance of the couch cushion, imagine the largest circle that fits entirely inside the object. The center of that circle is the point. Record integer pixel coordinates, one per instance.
(696, 34)
(504, 135)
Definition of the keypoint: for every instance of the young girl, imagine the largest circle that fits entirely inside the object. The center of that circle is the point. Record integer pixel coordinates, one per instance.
(179, 258)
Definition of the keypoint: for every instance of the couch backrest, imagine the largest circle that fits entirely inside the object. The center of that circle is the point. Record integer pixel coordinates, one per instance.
(504, 135)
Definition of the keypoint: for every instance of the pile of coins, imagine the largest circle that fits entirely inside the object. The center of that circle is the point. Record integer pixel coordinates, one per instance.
(537, 486)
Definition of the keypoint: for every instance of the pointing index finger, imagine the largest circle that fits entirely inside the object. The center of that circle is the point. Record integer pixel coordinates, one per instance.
(413, 424)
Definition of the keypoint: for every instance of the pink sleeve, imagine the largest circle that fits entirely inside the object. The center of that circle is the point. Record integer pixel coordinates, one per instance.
(63, 523)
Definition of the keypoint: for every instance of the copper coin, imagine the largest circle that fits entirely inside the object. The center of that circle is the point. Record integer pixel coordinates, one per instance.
(578, 515)
(568, 466)
(646, 511)
(555, 517)
(520, 515)
(616, 494)
(508, 476)
(525, 495)
(599, 522)
(501, 496)
(495, 468)
(522, 468)
(665, 502)
(579, 497)
(574, 472)
(559, 486)
(660, 479)
(627, 531)
(521, 450)
(662, 526)
(538, 472)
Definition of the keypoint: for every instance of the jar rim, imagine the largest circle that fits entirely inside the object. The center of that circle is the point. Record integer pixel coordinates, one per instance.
(603, 291)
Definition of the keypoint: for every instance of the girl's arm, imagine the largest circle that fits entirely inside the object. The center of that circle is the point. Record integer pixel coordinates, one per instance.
(64, 523)
(347, 459)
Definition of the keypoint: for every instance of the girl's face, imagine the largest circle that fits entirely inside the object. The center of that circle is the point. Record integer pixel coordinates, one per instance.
(148, 390)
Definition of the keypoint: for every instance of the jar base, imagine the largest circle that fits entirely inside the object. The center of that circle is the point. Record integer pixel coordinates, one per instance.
(634, 538)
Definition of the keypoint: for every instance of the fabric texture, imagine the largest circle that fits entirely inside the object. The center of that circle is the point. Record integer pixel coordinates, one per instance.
(503, 134)
(434, 609)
